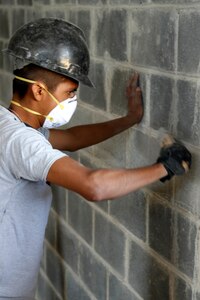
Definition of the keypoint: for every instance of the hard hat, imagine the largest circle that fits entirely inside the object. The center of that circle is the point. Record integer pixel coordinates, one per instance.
(53, 44)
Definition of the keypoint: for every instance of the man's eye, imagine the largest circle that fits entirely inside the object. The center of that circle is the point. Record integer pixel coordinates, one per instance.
(71, 94)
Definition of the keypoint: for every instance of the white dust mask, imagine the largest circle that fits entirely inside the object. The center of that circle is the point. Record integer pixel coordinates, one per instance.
(61, 114)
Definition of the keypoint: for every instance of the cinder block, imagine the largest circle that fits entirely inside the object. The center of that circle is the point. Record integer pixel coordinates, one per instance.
(153, 37)
(187, 188)
(183, 290)
(73, 289)
(83, 20)
(8, 2)
(112, 152)
(80, 216)
(55, 271)
(111, 35)
(44, 290)
(18, 19)
(130, 210)
(142, 149)
(187, 127)
(138, 1)
(51, 229)
(97, 96)
(4, 24)
(93, 273)
(175, 1)
(189, 41)
(110, 243)
(146, 276)
(90, 2)
(161, 229)
(161, 99)
(65, 1)
(25, 2)
(56, 13)
(59, 200)
(67, 246)
(44, 2)
(186, 241)
(118, 291)
(120, 82)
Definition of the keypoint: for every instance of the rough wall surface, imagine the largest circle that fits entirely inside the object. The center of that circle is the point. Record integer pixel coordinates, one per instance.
(145, 245)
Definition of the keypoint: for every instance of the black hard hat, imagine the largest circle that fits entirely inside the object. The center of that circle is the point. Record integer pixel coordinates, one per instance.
(53, 44)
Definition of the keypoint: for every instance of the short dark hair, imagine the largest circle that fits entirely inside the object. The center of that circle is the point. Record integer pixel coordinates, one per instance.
(34, 72)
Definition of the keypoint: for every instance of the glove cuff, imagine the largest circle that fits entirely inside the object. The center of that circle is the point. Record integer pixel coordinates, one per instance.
(169, 175)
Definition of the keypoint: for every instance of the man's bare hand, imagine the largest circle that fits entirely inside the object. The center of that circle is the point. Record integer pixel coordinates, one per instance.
(134, 96)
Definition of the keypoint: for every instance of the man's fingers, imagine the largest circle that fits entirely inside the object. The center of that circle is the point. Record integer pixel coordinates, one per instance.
(185, 166)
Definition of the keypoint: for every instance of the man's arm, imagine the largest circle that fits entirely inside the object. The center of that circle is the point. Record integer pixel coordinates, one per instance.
(79, 137)
(102, 184)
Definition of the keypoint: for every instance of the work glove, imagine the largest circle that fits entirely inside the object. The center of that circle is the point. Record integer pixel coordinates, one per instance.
(175, 158)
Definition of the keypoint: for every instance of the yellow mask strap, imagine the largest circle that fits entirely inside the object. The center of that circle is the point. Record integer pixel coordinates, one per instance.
(30, 110)
(42, 86)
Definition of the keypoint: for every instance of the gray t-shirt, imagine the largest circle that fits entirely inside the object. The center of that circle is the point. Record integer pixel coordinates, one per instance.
(25, 198)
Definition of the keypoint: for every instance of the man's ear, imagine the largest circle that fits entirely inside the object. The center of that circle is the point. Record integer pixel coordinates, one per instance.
(38, 90)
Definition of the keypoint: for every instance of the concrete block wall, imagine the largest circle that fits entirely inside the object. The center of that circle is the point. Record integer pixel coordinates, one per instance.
(145, 245)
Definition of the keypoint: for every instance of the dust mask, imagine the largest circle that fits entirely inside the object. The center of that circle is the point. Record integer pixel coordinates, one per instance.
(59, 115)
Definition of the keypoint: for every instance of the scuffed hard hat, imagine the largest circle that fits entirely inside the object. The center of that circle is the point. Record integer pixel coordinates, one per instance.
(53, 44)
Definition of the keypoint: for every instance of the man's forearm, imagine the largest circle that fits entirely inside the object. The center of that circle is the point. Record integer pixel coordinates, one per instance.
(102, 184)
(82, 136)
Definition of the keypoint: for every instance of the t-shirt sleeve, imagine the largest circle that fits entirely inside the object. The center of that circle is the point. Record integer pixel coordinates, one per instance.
(31, 155)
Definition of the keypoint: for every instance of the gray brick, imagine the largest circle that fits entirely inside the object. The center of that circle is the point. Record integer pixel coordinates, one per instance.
(146, 276)
(138, 1)
(189, 42)
(161, 101)
(80, 216)
(161, 224)
(51, 229)
(175, 1)
(65, 1)
(112, 152)
(110, 243)
(89, 2)
(25, 2)
(74, 290)
(118, 93)
(83, 20)
(183, 290)
(55, 271)
(131, 212)
(142, 149)
(56, 13)
(111, 35)
(153, 34)
(59, 200)
(8, 2)
(187, 95)
(118, 291)
(18, 19)
(46, 2)
(93, 273)
(187, 188)
(97, 96)
(5, 90)
(44, 290)
(4, 24)
(186, 240)
(67, 246)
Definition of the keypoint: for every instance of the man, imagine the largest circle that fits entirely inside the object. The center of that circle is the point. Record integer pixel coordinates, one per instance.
(54, 58)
